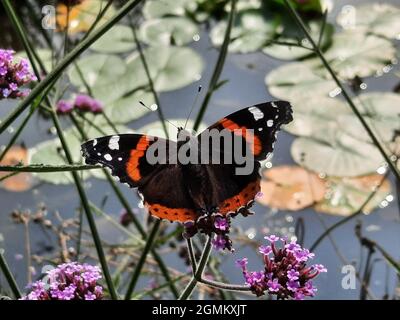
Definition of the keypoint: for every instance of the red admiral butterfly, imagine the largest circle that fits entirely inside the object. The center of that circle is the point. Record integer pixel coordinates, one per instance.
(179, 191)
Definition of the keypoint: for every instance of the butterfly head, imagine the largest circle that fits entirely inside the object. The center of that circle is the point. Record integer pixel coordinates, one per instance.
(184, 135)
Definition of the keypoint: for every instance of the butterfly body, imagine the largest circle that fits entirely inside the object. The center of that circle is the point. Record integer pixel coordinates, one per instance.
(216, 171)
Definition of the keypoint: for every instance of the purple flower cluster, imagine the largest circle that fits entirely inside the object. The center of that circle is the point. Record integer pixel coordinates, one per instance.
(286, 273)
(14, 75)
(82, 102)
(210, 224)
(69, 281)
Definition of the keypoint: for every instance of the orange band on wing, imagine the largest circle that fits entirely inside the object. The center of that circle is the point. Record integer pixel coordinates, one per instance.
(241, 199)
(132, 166)
(171, 214)
(254, 141)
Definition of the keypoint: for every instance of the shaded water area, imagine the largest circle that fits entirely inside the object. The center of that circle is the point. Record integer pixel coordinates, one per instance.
(245, 87)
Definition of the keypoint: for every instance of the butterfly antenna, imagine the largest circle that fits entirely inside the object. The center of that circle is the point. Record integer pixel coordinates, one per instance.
(193, 105)
(154, 107)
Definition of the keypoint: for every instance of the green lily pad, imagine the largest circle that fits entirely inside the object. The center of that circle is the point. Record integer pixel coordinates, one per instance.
(50, 152)
(250, 32)
(317, 117)
(168, 30)
(342, 156)
(160, 8)
(284, 52)
(170, 67)
(345, 196)
(297, 81)
(381, 19)
(381, 111)
(355, 53)
(128, 108)
(118, 39)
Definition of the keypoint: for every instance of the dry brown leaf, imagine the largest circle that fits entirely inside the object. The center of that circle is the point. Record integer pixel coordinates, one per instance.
(290, 188)
(80, 17)
(22, 181)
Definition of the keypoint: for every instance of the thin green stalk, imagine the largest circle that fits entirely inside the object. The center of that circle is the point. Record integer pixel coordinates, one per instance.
(65, 62)
(8, 176)
(48, 168)
(192, 256)
(225, 286)
(149, 79)
(9, 276)
(200, 270)
(98, 18)
(87, 210)
(218, 67)
(346, 95)
(152, 291)
(149, 244)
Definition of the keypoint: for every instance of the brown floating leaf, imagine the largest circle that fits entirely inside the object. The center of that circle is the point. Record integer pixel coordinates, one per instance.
(346, 195)
(22, 181)
(290, 188)
(81, 16)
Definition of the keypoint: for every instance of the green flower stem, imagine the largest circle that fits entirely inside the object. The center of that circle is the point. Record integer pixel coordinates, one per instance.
(87, 210)
(218, 67)
(149, 79)
(225, 286)
(152, 291)
(149, 244)
(348, 218)
(9, 276)
(65, 62)
(48, 168)
(192, 256)
(126, 205)
(200, 270)
(346, 95)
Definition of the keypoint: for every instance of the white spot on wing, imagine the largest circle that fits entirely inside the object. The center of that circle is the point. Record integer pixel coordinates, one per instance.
(119, 159)
(99, 154)
(107, 157)
(274, 105)
(113, 143)
(257, 113)
(270, 123)
(94, 142)
(260, 129)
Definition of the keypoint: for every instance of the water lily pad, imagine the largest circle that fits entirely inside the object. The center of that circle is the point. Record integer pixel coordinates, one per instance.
(170, 67)
(50, 152)
(81, 17)
(297, 81)
(342, 156)
(250, 32)
(284, 52)
(16, 155)
(290, 188)
(106, 75)
(317, 117)
(128, 108)
(168, 30)
(345, 196)
(382, 113)
(160, 8)
(116, 40)
(382, 19)
(354, 53)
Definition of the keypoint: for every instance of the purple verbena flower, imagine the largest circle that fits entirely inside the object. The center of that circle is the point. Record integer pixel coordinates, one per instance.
(218, 242)
(14, 75)
(221, 223)
(242, 263)
(64, 107)
(68, 281)
(272, 238)
(86, 103)
(265, 250)
(285, 273)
